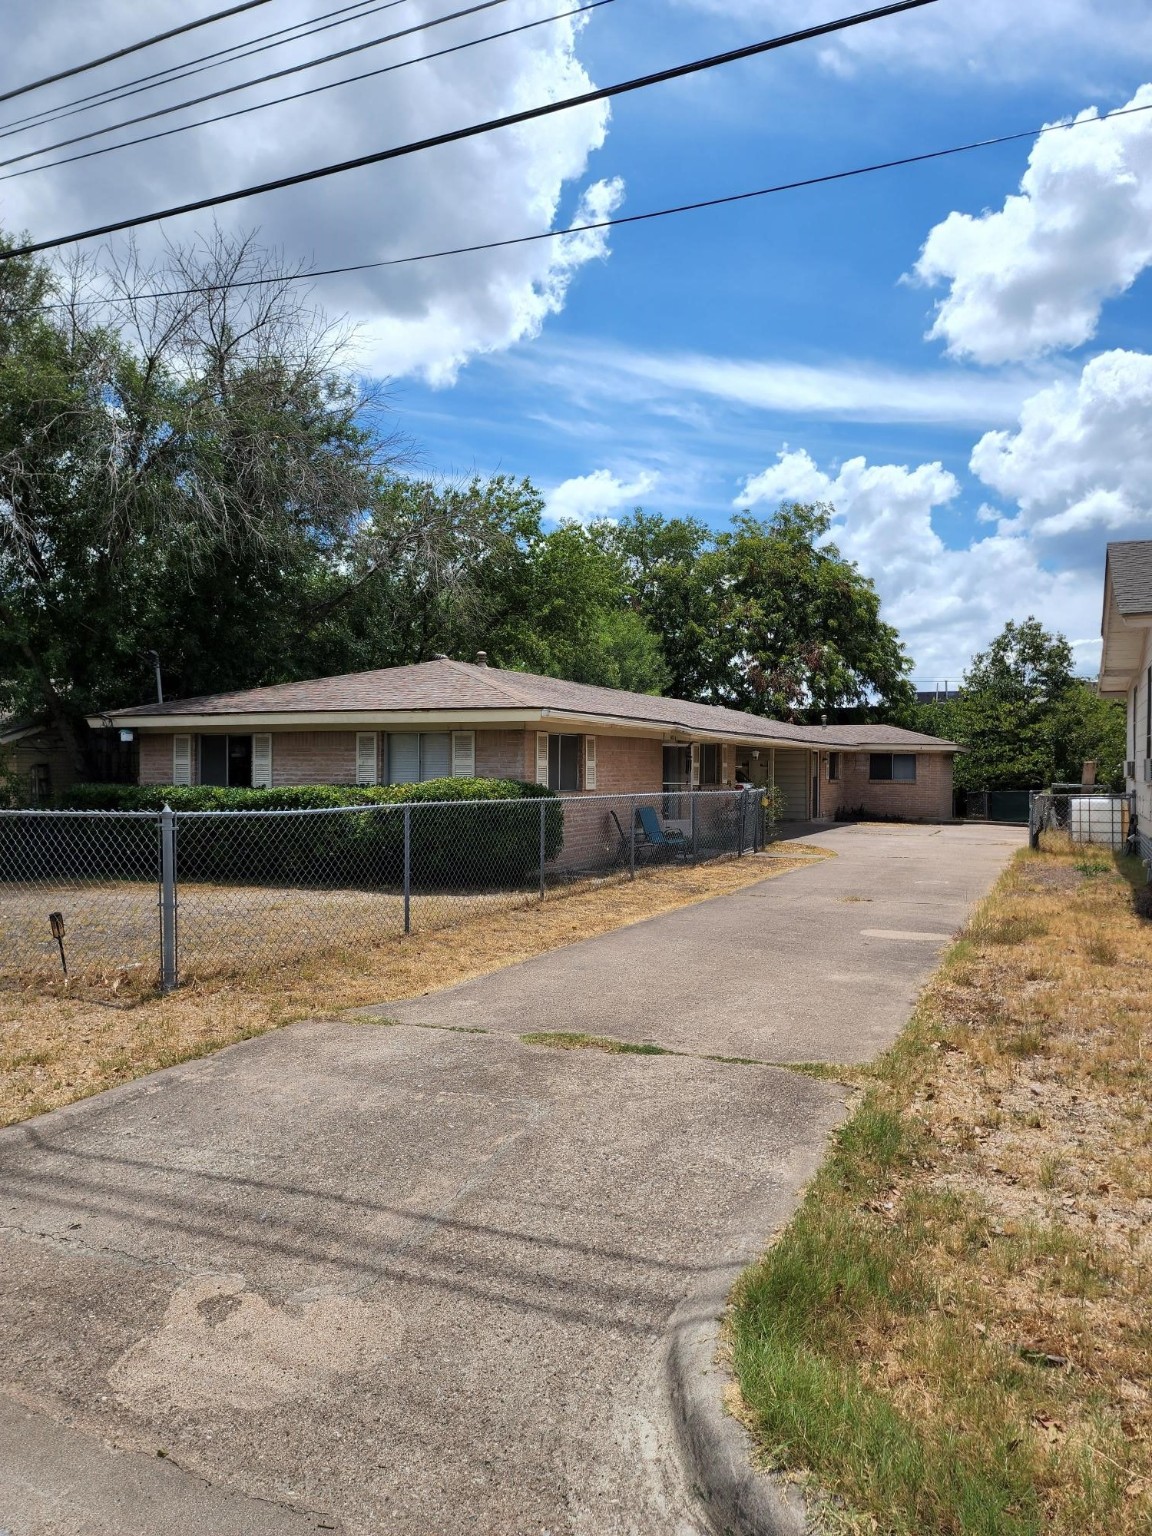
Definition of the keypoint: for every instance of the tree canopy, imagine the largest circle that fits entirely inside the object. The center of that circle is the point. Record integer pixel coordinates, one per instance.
(1025, 719)
(188, 465)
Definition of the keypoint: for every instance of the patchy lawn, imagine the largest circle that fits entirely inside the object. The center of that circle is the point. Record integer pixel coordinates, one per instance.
(56, 1047)
(955, 1333)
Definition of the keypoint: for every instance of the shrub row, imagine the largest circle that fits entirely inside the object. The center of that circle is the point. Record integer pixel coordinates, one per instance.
(467, 841)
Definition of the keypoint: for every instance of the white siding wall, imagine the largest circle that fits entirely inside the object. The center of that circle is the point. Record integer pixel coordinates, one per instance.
(1142, 789)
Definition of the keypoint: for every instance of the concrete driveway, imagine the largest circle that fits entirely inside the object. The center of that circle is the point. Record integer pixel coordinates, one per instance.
(377, 1277)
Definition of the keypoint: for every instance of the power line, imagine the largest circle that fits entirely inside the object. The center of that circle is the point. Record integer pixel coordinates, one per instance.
(175, 72)
(121, 53)
(622, 219)
(314, 90)
(530, 114)
(247, 85)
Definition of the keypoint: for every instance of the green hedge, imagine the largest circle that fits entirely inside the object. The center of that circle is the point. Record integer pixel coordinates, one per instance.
(461, 842)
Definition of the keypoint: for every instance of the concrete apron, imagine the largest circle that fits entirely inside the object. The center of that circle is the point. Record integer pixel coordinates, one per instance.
(385, 1278)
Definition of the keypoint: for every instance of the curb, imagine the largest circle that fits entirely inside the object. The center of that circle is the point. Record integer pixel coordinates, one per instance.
(717, 1451)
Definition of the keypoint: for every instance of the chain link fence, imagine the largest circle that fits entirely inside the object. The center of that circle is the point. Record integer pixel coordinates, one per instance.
(1091, 817)
(170, 896)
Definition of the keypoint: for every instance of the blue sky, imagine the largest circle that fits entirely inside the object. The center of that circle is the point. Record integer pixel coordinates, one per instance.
(740, 356)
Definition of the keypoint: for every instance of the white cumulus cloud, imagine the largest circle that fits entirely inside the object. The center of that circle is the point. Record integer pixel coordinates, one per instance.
(427, 318)
(945, 602)
(584, 498)
(1033, 275)
(1081, 458)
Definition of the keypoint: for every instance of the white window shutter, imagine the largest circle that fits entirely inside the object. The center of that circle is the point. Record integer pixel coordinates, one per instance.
(262, 760)
(695, 765)
(366, 758)
(542, 758)
(589, 762)
(725, 766)
(181, 759)
(463, 754)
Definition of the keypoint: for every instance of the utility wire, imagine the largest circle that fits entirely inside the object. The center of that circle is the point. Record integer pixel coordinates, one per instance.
(175, 72)
(331, 85)
(121, 53)
(247, 85)
(530, 114)
(630, 218)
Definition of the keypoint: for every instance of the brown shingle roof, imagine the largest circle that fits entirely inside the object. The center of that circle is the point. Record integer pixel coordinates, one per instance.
(1130, 567)
(457, 685)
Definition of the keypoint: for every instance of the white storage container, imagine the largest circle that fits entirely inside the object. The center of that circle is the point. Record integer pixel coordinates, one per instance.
(1097, 819)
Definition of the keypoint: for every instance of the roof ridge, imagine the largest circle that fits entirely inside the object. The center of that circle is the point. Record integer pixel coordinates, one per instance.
(470, 668)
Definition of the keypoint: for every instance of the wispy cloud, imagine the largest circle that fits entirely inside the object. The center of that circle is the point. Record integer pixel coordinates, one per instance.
(593, 374)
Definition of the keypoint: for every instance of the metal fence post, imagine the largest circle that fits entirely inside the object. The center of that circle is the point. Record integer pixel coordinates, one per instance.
(741, 820)
(543, 842)
(407, 869)
(692, 794)
(632, 841)
(167, 899)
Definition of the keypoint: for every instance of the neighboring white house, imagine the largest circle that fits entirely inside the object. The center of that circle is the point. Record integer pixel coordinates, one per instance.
(1126, 664)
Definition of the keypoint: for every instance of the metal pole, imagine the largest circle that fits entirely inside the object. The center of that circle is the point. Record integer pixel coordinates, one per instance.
(167, 899)
(692, 794)
(543, 843)
(632, 841)
(741, 823)
(407, 869)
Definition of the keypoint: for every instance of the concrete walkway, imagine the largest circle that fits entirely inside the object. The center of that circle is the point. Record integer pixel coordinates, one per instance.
(407, 1280)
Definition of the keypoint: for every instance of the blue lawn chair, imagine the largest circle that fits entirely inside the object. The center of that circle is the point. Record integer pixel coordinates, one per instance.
(674, 844)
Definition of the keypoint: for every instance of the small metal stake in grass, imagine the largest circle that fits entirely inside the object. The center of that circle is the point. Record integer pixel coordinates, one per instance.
(56, 919)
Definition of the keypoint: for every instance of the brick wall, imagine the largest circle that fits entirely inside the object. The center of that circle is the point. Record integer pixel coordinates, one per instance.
(156, 759)
(313, 757)
(628, 763)
(505, 754)
(929, 799)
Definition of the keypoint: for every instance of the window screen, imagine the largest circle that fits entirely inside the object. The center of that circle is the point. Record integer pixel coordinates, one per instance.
(833, 767)
(436, 755)
(898, 767)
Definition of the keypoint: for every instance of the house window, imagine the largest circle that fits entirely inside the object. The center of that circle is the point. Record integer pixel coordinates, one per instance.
(894, 767)
(226, 761)
(711, 763)
(415, 756)
(833, 767)
(563, 763)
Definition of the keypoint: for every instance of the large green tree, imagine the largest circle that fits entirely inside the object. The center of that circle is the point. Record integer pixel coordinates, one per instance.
(766, 615)
(1025, 720)
(179, 472)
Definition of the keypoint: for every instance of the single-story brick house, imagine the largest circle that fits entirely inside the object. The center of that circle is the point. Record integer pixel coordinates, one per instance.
(437, 718)
(1126, 665)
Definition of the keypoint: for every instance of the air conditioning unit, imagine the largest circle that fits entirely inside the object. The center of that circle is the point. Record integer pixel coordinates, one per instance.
(1130, 768)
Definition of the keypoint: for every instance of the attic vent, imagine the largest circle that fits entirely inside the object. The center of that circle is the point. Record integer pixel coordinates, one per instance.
(481, 658)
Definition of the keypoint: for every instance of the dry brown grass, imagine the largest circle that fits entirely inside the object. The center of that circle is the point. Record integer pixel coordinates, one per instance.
(55, 1048)
(965, 1296)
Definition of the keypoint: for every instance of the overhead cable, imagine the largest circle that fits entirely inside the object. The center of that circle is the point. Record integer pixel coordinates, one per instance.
(233, 54)
(618, 221)
(247, 85)
(315, 90)
(529, 114)
(121, 53)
